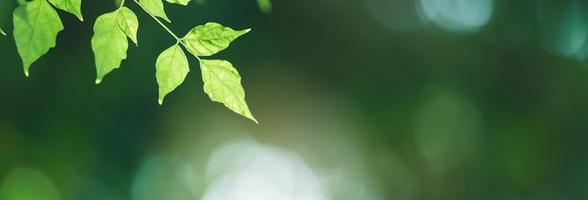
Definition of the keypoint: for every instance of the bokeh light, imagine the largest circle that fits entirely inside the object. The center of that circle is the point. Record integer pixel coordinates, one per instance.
(458, 15)
(163, 177)
(447, 126)
(564, 27)
(250, 171)
(28, 184)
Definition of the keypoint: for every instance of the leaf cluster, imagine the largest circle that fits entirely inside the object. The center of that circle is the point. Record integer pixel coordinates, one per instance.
(37, 25)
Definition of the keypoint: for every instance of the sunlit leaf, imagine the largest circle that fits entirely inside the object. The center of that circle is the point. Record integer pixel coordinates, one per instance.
(2, 32)
(209, 39)
(128, 23)
(72, 6)
(172, 67)
(36, 25)
(181, 2)
(155, 7)
(222, 83)
(109, 44)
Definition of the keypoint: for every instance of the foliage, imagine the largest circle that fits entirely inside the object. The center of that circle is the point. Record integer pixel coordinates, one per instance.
(37, 25)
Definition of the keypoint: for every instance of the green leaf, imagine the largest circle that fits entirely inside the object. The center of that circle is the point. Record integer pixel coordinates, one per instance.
(155, 7)
(172, 67)
(265, 5)
(222, 83)
(36, 25)
(109, 44)
(72, 6)
(128, 23)
(209, 39)
(181, 2)
(2, 32)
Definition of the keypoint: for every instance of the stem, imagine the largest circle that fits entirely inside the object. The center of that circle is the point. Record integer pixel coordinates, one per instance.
(178, 40)
(158, 21)
(122, 3)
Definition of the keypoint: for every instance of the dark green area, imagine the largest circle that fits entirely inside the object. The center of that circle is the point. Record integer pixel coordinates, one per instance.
(427, 114)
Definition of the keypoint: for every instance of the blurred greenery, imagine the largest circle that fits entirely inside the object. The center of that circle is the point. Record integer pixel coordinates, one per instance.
(265, 5)
(380, 98)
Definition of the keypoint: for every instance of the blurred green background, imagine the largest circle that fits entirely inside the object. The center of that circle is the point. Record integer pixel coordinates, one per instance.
(357, 99)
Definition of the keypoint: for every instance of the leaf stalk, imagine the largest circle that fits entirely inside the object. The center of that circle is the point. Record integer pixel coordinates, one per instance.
(179, 40)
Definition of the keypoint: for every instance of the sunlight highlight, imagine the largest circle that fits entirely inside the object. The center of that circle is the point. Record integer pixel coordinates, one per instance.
(250, 171)
(564, 28)
(458, 15)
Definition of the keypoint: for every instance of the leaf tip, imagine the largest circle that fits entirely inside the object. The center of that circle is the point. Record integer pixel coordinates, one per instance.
(250, 116)
(160, 101)
(98, 81)
(247, 30)
(26, 72)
